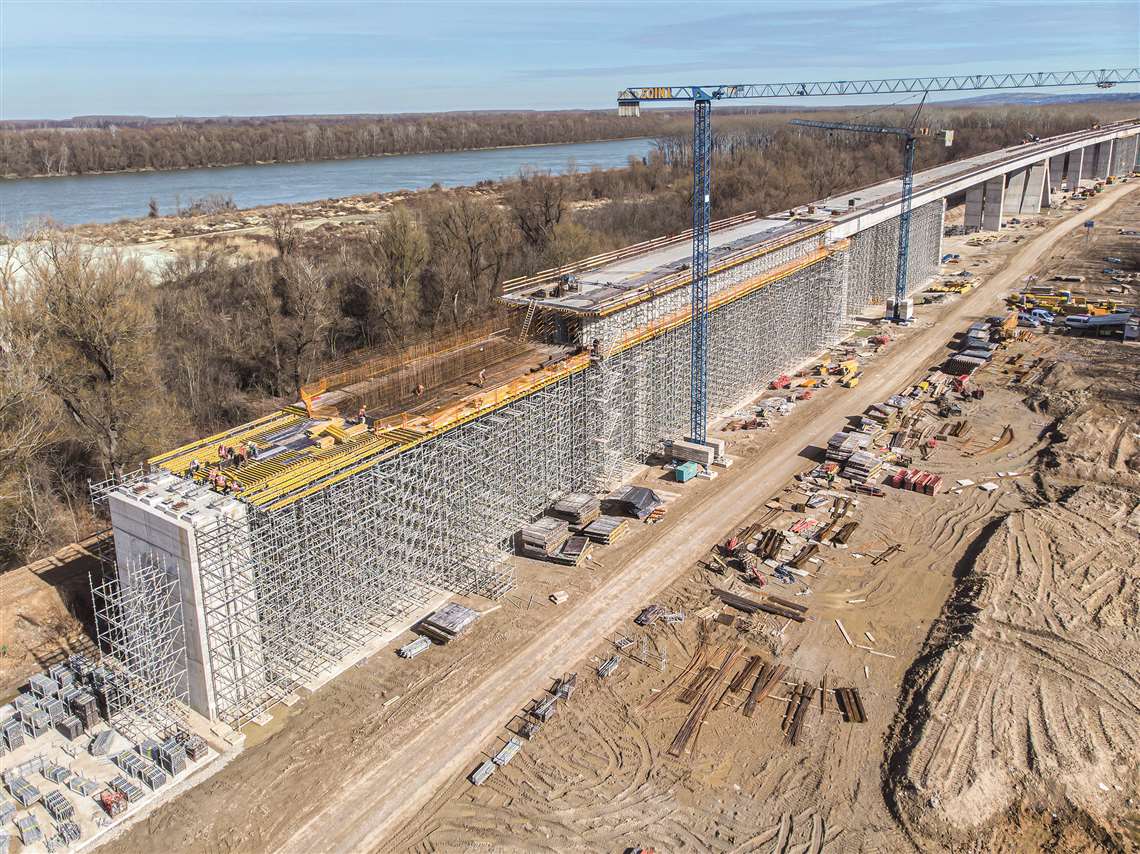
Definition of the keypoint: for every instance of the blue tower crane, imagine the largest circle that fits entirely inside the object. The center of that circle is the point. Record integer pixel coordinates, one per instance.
(629, 104)
(910, 135)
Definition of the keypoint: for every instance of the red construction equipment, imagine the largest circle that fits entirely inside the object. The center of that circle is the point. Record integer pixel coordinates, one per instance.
(782, 381)
(113, 803)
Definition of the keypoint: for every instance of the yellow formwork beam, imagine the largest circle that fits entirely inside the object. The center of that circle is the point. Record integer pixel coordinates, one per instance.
(421, 429)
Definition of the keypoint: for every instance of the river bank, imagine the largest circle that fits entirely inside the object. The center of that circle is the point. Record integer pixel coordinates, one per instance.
(110, 198)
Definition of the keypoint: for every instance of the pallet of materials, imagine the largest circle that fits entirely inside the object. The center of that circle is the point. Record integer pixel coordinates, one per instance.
(414, 648)
(606, 530)
(917, 480)
(841, 446)
(635, 501)
(574, 551)
(448, 623)
(507, 752)
(483, 773)
(577, 508)
(862, 466)
(543, 538)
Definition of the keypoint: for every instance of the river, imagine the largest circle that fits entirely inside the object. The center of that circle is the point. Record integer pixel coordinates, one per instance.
(107, 198)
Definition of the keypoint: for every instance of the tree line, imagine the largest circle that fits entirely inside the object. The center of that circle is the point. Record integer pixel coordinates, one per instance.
(103, 363)
(191, 144)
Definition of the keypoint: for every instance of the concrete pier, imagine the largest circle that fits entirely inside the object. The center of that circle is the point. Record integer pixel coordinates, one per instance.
(993, 199)
(1074, 169)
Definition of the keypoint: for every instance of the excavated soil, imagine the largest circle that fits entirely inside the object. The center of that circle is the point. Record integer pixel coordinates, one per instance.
(1028, 693)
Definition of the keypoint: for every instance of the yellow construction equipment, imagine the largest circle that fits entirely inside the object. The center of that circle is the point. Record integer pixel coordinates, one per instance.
(849, 373)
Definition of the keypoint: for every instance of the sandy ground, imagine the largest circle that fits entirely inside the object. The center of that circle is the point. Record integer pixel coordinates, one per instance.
(45, 612)
(1040, 702)
(377, 759)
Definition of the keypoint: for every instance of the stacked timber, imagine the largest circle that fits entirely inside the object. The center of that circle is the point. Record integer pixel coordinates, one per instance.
(448, 623)
(606, 529)
(841, 446)
(577, 508)
(851, 704)
(574, 551)
(862, 466)
(543, 538)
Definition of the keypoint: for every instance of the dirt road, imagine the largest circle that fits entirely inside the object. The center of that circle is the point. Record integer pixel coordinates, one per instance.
(378, 802)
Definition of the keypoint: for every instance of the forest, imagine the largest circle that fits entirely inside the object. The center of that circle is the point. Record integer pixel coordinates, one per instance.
(103, 363)
(28, 152)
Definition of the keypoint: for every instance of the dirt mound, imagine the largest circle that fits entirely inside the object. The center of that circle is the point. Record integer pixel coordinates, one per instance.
(1030, 690)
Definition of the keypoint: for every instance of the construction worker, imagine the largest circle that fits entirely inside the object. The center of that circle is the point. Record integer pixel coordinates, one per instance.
(194, 466)
(419, 389)
(482, 376)
(362, 415)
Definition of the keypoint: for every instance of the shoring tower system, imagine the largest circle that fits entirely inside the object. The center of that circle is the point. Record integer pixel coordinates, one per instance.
(333, 532)
(910, 135)
(702, 96)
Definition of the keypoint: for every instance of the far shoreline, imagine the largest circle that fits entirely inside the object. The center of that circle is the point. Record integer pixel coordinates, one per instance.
(153, 171)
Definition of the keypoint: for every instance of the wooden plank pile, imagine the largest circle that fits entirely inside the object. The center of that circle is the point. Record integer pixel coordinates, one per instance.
(794, 715)
(574, 551)
(448, 623)
(577, 508)
(543, 538)
(851, 705)
(606, 530)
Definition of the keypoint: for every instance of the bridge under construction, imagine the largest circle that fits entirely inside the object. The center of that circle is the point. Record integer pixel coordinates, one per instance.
(333, 532)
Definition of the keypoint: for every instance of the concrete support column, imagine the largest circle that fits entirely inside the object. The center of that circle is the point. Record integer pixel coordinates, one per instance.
(1053, 179)
(974, 200)
(993, 197)
(1073, 169)
(1102, 159)
(1036, 189)
(1014, 191)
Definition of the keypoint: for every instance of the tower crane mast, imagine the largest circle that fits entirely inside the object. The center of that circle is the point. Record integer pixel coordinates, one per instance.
(702, 97)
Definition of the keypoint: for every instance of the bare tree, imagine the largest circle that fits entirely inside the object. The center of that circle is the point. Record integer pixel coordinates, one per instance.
(90, 318)
(284, 231)
(537, 200)
(470, 246)
(308, 315)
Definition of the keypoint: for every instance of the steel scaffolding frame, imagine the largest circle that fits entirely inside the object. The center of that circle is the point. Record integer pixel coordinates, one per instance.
(140, 635)
(874, 256)
(287, 594)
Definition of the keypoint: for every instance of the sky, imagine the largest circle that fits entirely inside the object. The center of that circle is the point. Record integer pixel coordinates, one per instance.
(205, 58)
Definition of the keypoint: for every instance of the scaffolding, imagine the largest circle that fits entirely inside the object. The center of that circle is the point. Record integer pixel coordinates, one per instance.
(292, 584)
(874, 256)
(140, 634)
